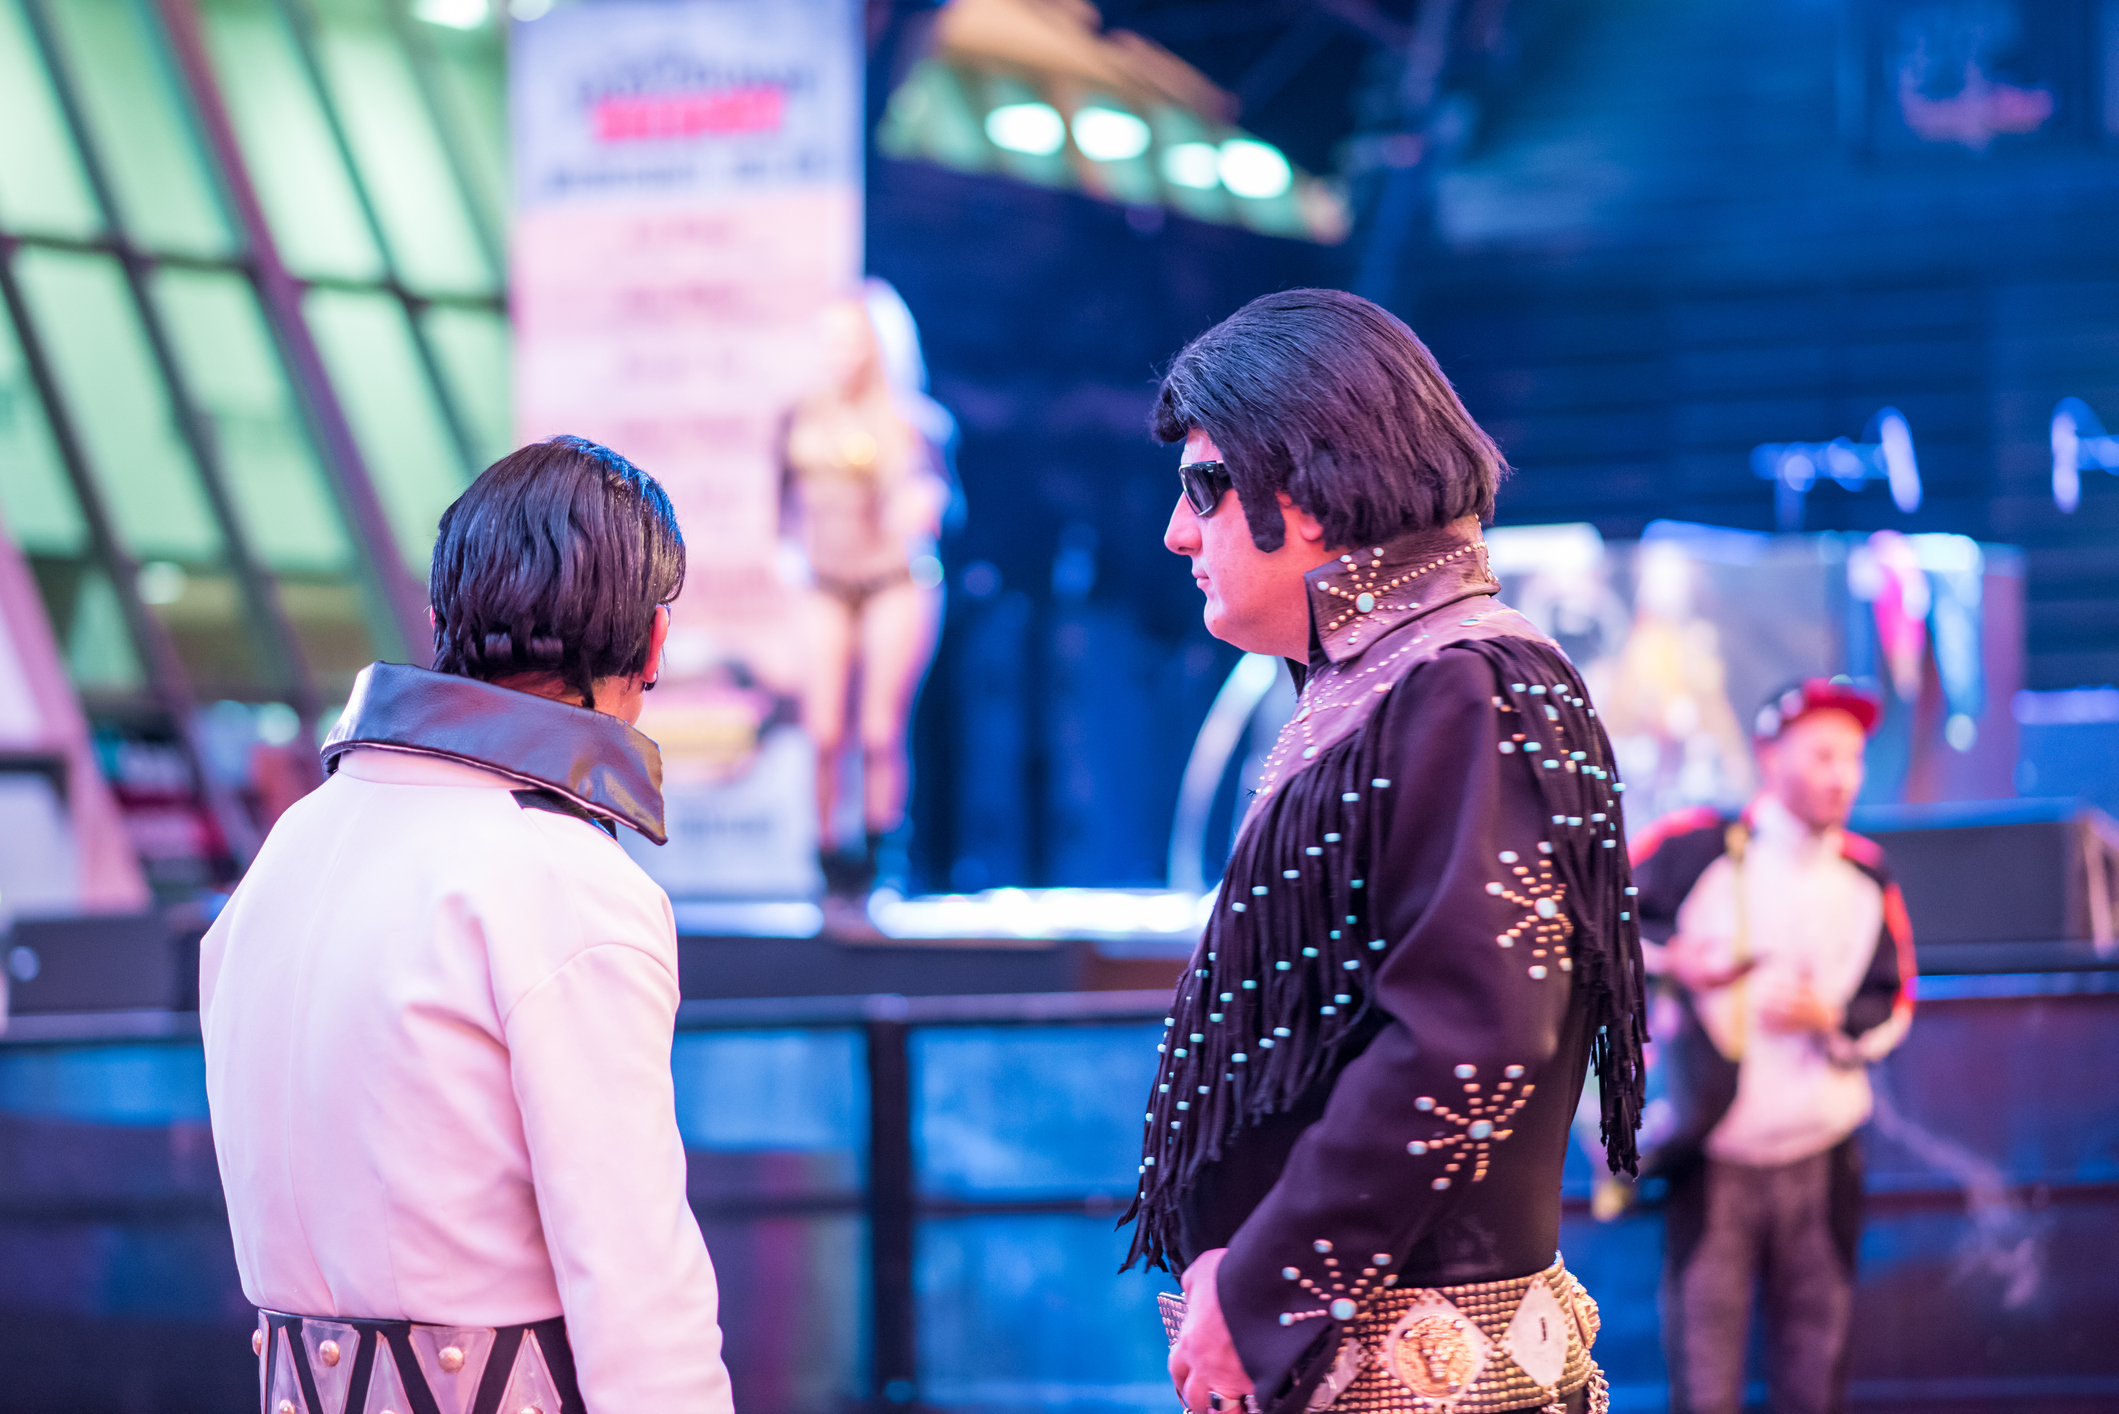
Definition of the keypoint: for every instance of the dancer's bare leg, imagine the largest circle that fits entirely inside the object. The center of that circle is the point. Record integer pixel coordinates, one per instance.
(829, 631)
(898, 629)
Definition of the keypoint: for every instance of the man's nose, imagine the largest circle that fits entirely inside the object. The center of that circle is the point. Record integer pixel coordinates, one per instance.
(1181, 535)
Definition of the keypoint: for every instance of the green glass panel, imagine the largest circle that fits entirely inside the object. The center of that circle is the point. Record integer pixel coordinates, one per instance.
(215, 631)
(99, 649)
(471, 73)
(472, 347)
(301, 180)
(330, 616)
(41, 512)
(119, 406)
(140, 126)
(400, 156)
(41, 185)
(234, 374)
(122, 411)
(369, 353)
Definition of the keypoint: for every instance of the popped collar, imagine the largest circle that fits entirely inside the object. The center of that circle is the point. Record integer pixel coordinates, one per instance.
(1376, 613)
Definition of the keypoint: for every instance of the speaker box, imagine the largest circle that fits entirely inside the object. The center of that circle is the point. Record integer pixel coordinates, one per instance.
(2013, 871)
(100, 962)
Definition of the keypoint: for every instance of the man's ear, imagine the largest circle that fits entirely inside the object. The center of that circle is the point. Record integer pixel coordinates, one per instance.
(658, 634)
(1301, 524)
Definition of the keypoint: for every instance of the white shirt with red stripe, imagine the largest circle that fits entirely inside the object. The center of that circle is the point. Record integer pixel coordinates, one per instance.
(1813, 918)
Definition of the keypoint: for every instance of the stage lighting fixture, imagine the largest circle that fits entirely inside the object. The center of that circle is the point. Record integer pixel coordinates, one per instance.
(2079, 441)
(1254, 169)
(452, 14)
(1192, 164)
(1109, 134)
(1885, 455)
(1033, 128)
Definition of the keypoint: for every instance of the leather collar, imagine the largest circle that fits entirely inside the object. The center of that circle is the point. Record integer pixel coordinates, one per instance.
(589, 758)
(1370, 590)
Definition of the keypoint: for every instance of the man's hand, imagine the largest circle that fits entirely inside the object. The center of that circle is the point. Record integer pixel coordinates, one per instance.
(1798, 1009)
(1204, 1363)
(1694, 970)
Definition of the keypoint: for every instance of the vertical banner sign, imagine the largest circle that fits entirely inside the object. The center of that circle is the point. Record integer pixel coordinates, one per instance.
(688, 196)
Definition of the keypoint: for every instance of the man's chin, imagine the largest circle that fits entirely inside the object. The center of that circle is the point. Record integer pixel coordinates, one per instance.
(1228, 628)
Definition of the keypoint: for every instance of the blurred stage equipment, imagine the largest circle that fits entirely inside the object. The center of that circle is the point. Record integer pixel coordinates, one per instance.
(688, 198)
(1036, 91)
(2004, 885)
(2079, 442)
(1681, 634)
(1885, 454)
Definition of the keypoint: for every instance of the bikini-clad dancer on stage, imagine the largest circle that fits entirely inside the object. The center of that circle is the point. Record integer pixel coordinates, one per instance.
(864, 492)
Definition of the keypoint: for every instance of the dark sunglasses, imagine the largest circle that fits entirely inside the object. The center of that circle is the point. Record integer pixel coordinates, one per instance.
(1205, 483)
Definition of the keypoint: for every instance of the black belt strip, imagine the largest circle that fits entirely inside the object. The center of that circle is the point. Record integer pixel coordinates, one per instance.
(492, 1381)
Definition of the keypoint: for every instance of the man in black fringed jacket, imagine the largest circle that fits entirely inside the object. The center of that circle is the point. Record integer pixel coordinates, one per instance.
(1425, 937)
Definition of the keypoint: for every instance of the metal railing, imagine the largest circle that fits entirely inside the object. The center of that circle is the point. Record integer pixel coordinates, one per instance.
(893, 1203)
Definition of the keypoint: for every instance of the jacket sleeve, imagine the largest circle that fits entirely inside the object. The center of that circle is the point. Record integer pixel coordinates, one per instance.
(590, 1054)
(1470, 1029)
(1880, 1012)
(1668, 859)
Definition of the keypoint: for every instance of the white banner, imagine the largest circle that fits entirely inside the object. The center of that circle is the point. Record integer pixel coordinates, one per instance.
(688, 194)
(688, 197)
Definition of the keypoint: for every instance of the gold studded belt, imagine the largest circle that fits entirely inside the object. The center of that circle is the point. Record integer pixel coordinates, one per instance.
(1479, 1348)
(334, 1365)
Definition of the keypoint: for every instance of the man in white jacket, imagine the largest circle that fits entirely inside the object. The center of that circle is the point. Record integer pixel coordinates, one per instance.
(438, 1010)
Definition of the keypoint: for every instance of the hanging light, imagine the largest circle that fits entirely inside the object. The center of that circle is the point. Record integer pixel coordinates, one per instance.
(1254, 169)
(2079, 442)
(1032, 128)
(452, 14)
(1109, 134)
(1901, 472)
(1192, 164)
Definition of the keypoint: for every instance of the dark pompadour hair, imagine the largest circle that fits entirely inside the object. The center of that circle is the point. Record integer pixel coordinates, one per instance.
(1332, 399)
(553, 562)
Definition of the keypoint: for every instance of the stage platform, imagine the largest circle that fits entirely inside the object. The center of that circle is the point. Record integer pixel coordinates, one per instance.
(1005, 940)
(1001, 941)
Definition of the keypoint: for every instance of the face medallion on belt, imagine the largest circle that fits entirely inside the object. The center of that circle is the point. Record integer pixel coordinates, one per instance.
(1436, 1351)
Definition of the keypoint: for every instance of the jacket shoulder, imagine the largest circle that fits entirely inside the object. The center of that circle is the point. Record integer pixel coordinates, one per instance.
(1682, 831)
(1866, 855)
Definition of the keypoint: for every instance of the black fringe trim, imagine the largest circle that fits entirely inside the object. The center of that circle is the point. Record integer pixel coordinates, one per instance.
(1278, 991)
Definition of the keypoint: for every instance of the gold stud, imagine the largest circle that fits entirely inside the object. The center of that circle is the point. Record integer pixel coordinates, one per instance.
(452, 1359)
(531, 1409)
(286, 1406)
(257, 1342)
(328, 1352)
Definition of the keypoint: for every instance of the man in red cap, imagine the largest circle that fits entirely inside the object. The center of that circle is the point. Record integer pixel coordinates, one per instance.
(1792, 961)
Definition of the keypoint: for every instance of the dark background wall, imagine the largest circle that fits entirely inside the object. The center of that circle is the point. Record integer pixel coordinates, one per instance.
(1694, 226)
(1073, 669)
(1651, 234)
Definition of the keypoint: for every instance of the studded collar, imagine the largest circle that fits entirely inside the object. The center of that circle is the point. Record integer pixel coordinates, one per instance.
(590, 758)
(1370, 590)
(1406, 600)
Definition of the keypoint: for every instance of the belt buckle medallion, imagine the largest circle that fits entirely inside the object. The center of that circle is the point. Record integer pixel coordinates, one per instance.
(1437, 1352)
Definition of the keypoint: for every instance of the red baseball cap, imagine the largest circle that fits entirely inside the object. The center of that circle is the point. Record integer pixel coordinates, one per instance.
(1799, 700)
